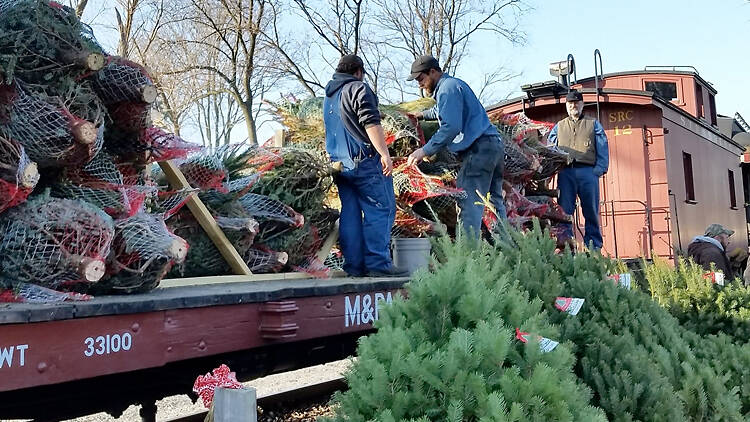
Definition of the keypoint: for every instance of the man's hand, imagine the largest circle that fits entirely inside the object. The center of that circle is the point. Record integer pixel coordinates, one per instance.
(418, 115)
(387, 165)
(415, 157)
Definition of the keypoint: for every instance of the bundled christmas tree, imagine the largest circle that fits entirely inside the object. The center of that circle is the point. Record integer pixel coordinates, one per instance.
(18, 174)
(84, 117)
(143, 252)
(458, 349)
(55, 243)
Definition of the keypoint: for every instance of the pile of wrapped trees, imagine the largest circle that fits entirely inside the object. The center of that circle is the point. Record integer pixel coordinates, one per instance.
(427, 195)
(269, 202)
(79, 211)
(82, 208)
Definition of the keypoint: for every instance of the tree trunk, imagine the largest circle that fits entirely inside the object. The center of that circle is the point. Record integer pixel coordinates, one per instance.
(252, 136)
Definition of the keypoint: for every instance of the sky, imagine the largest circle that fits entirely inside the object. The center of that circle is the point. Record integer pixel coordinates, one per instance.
(713, 36)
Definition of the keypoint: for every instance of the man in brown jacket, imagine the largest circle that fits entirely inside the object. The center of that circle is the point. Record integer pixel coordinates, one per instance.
(584, 139)
(711, 248)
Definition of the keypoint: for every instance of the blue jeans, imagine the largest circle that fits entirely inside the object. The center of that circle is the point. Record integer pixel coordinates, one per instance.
(482, 170)
(582, 182)
(368, 210)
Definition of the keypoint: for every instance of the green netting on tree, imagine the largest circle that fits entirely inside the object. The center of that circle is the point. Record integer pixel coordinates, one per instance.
(45, 44)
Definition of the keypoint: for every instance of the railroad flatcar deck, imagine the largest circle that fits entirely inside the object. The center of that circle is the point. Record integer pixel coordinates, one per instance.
(44, 345)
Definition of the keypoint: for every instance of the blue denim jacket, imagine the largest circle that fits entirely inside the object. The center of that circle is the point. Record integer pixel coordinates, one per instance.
(462, 117)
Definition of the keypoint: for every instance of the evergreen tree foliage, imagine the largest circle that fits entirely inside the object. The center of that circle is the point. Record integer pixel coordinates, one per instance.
(449, 352)
(634, 355)
(700, 305)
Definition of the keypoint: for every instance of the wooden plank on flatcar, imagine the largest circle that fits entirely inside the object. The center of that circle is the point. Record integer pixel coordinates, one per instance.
(206, 220)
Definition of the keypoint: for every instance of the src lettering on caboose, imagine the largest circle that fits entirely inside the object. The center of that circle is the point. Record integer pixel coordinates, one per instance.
(621, 118)
(363, 309)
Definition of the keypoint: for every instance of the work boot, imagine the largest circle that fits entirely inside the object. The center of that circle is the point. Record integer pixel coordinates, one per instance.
(390, 272)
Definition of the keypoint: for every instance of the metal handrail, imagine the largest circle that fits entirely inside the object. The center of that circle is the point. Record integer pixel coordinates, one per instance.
(571, 62)
(598, 74)
(673, 68)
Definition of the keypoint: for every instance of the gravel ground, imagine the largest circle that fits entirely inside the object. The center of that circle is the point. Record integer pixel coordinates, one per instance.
(178, 406)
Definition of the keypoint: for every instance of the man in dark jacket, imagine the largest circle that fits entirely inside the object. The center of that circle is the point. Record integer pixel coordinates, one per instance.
(466, 131)
(711, 248)
(355, 138)
(584, 139)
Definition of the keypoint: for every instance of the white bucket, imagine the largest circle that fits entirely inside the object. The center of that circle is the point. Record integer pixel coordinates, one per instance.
(411, 253)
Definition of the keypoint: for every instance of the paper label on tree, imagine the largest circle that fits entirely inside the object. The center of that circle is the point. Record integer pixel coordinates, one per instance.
(622, 280)
(571, 305)
(545, 344)
(715, 277)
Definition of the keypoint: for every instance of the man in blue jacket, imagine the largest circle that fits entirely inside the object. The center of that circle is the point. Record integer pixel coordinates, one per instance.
(355, 138)
(584, 139)
(466, 131)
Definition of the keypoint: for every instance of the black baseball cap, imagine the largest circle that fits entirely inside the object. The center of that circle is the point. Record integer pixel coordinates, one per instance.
(350, 63)
(574, 96)
(422, 64)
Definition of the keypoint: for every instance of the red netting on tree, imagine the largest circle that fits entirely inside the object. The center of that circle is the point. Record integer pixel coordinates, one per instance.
(263, 260)
(518, 126)
(521, 162)
(314, 267)
(335, 260)
(554, 211)
(150, 145)
(401, 126)
(131, 116)
(18, 174)
(50, 134)
(232, 190)
(410, 224)
(204, 259)
(121, 80)
(100, 183)
(20, 292)
(264, 208)
(143, 251)
(552, 160)
(249, 159)
(168, 202)
(205, 171)
(411, 185)
(518, 205)
(55, 242)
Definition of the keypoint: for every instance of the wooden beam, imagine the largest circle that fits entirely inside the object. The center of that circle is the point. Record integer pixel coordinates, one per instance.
(279, 138)
(328, 244)
(206, 220)
(222, 279)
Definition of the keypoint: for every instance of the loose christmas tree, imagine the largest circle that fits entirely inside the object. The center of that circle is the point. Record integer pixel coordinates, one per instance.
(450, 352)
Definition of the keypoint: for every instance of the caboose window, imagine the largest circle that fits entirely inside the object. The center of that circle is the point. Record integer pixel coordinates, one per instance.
(687, 167)
(666, 90)
(732, 194)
